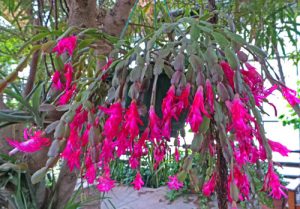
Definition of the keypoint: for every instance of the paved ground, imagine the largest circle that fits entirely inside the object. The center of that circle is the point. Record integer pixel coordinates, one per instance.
(123, 197)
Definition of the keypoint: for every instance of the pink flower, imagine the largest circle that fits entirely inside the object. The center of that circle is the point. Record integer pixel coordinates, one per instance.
(168, 111)
(174, 183)
(229, 73)
(65, 98)
(277, 147)
(241, 181)
(209, 186)
(290, 95)
(272, 184)
(68, 74)
(105, 183)
(159, 153)
(256, 83)
(112, 123)
(176, 155)
(72, 156)
(32, 143)
(132, 120)
(194, 117)
(182, 101)
(90, 173)
(134, 162)
(240, 119)
(138, 182)
(67, 44)
(210, 95)
(57, 84)
(154, 124)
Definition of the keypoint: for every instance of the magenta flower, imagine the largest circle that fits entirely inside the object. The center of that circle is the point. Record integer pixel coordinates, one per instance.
(67, 44)
(57, 84)
(240, 119)
(176, 155)
(154, 124)
(194, 117)
(229, 73)
(32, 143)
(105, 183)
(241, 181)
(272, 184)
(277, 147)
(90, 173)
(210, 95)
(174, 183)
(72, 156)
(182, 101)
(68, 74)
(65, 98)
(112, 123)
(138, 182)
(256, 83)
(132, 120)
(290, 95)
(209, 186)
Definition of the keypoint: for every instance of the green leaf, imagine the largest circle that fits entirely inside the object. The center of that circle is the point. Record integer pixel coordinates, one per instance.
(36, 96)
(220, 39)
(232, 58)
(259, 52)
(195, 62)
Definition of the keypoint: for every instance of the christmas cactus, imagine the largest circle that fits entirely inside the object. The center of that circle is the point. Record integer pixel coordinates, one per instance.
(187, 74)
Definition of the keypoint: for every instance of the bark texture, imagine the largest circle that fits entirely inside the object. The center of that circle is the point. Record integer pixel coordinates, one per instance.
(82, 13)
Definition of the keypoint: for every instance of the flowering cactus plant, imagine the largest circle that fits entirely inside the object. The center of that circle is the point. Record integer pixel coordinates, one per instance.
(200, 78)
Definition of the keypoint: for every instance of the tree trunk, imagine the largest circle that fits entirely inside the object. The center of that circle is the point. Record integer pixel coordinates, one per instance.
(221, 188)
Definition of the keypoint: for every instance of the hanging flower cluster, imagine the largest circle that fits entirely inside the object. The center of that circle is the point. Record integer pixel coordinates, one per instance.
(217, 101)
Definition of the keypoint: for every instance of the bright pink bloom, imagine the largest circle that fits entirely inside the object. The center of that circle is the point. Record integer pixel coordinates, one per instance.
(72, 156)
(209, 186)
(138, 182)
(210, 95)
(290, 95)
(134, 162)
(105, 183)
(277, 147)
(194, 117)
(65, 98)
(159, 153)
(132, 120)
(240, 119)
(112, 123)
(176, 155)
(241, 181)
(174, 183)
(256, 83)
(67, 44)
(154, 124)
(272, 184)
(182, 101)
(229, 73)
(32, 143)
(90, 173)
(168, 111)
(68, 74)
(57, 84)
